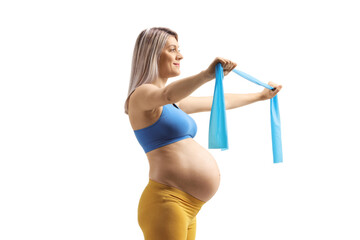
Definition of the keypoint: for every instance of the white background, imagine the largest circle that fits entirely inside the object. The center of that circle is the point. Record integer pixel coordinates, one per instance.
(70, 165)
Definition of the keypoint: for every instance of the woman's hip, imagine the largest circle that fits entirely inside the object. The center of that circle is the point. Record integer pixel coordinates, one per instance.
(162, 201)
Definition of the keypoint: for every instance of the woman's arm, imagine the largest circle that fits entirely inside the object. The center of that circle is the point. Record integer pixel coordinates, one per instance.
(203, 104)
(149, 96)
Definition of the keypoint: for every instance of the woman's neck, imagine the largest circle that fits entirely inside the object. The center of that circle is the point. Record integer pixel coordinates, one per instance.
(160, 82)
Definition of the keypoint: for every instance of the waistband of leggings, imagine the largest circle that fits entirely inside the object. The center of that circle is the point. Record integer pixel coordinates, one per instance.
(177, 192)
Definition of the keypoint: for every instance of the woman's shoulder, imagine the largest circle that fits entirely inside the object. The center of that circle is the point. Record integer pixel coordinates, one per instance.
(146, 87)
(138, 95)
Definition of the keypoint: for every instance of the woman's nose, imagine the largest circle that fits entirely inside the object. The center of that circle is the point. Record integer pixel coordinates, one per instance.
(179, 56)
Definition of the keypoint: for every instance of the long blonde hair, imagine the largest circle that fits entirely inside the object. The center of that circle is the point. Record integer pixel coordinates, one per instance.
(147, 51)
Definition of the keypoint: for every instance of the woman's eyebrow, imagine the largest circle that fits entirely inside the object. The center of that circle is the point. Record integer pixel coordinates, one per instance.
(173, 45)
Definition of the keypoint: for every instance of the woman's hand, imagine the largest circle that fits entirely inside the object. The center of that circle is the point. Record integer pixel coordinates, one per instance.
(267, 93)
(227, 65)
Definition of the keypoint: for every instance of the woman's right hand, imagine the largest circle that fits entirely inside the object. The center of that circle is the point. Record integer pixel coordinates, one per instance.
(227, 65)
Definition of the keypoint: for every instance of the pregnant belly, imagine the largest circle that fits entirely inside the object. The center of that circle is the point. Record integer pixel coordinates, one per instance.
(187, 166)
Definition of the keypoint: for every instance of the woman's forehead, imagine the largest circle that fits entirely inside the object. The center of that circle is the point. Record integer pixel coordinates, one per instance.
(172, 41)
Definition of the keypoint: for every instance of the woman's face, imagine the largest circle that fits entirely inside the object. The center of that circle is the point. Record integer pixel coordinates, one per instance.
(169, 63)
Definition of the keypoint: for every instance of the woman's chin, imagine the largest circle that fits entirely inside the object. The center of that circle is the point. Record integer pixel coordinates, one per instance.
(175, 74)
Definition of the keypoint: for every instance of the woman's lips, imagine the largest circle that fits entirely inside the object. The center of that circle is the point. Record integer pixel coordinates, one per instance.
(177, 64)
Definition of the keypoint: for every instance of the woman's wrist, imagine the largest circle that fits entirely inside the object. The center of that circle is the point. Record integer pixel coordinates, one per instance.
(261, 96)
(206, 76)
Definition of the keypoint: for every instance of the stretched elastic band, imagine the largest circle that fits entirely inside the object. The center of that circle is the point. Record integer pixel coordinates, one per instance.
(218, 129)
(274, 117)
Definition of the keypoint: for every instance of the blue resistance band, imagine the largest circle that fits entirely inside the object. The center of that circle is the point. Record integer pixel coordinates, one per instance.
(218, 129)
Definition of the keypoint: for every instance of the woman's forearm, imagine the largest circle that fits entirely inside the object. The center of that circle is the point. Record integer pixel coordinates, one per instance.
(239, 100)
(182, 88)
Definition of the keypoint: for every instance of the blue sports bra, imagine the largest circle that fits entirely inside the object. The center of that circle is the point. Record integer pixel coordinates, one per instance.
(172, 126)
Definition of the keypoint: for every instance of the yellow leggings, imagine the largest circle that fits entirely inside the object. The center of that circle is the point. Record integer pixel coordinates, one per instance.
(167, 213)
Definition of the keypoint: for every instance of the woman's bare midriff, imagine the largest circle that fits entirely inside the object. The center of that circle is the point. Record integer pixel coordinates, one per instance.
(185, 165)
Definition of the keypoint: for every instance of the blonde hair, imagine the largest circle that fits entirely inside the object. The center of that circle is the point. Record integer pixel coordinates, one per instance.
(147, 51)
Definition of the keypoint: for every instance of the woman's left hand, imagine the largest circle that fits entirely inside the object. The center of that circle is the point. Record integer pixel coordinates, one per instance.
(267, 93)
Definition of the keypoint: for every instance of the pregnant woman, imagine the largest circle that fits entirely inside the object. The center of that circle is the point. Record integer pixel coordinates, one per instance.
(183, 175)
